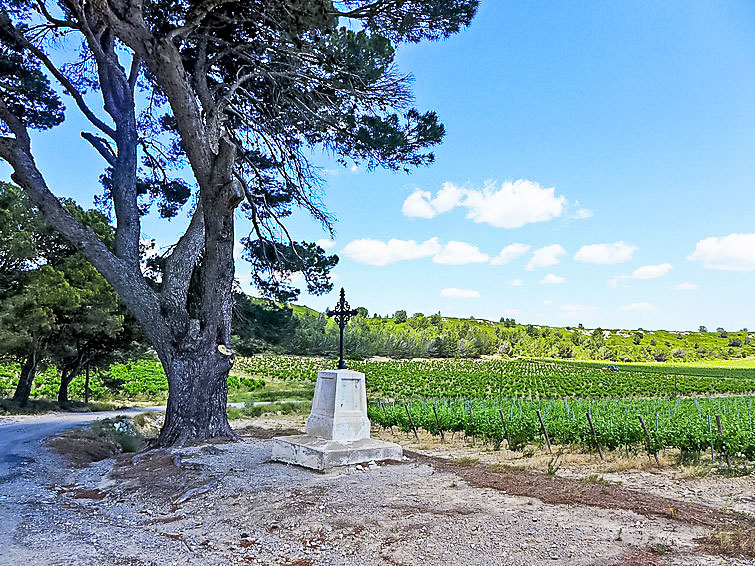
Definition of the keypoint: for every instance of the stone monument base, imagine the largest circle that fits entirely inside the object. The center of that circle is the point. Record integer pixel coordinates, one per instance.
(321, 453)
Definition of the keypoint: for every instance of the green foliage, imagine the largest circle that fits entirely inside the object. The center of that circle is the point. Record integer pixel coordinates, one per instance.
(520, 378)
(142, 377)
(683, 424)
(121, 432)
(24, 88)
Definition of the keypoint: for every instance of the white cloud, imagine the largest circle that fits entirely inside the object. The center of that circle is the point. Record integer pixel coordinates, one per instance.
(516, 283)
(582, 214)
(546, 256)
(605, 254)
(735, 252)
(417, 205)
(510, 252)
(552, 279)
(548, 302)
(638, 307)
(575, 308)
(652, 271)
(354, 168)
(613, 283)
(512, 312)
(454, 293)
(325, 243)
(686, 286)
(377, 252)
(421, 204)
(459, 253)
(511, 205)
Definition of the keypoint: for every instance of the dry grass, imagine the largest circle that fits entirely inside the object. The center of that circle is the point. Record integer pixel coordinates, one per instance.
(736, 541)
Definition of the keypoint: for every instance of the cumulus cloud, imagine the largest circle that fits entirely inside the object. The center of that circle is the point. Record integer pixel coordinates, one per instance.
(583, 213)
(510, 205)
(377, 252)
(552, 279)
(546, 256)
(516, 283)
(459, 253)
(325, 244)
(510, 252)
(454, 293)
(421, 204)
(686, 286)
(735, 252)
(638, 307)
(605, 254)
(652, 271)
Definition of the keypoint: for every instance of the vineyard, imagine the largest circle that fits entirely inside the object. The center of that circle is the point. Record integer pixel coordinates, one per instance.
(520, 378)
(691, 425)
(630, 406)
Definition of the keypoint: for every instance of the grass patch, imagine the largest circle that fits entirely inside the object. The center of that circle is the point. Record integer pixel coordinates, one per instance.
(739, 541)
(39, 406)
(252, 410)
(466, 461)
(103, 439)
(595, 478)
(276, 392)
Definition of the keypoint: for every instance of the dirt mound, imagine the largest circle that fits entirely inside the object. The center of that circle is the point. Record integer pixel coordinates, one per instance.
(82, 447)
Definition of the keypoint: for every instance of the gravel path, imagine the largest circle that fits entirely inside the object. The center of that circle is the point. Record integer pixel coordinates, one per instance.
(228, 504)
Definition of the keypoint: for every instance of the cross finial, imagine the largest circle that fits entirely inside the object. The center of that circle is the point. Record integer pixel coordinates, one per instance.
(341, 314)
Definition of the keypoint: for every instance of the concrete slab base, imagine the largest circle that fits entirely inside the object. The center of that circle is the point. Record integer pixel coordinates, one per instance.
(321, 453)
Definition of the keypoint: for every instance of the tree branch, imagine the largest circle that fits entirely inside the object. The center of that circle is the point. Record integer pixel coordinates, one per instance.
(101, 146)
(70, 89)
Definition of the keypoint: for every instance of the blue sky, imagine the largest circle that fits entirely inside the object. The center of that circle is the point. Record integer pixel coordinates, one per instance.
(608, 148)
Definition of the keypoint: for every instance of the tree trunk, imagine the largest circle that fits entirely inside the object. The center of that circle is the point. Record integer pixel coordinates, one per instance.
(26, 380)
(198, 392)
(65, 380)
(66, 377)
(86, 386)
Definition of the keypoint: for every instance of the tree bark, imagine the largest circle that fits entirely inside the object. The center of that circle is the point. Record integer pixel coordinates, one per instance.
(198, 391)
(65, 380)
(26, 379)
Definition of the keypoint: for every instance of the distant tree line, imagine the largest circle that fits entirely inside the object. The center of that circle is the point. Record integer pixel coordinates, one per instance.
(261, 327)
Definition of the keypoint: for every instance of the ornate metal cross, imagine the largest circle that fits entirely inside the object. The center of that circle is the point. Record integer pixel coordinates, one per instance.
(341, 314)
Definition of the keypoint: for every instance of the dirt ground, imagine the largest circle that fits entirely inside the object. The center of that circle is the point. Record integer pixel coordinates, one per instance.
(446, 503)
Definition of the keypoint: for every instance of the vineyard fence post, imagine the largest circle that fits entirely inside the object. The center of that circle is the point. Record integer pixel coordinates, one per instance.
(505, 429)
(710, 431)
(437, 422)
(545, 432)
(650, 440)
(721, 435)
(411, 422)
(594, 436)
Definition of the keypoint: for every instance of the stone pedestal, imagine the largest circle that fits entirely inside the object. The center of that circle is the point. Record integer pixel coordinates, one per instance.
(338, 430)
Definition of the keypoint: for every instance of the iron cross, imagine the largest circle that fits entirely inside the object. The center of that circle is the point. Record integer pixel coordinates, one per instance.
(341, 314)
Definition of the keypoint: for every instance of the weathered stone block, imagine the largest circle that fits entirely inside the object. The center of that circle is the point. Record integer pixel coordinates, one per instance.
(339, 407)
(338, 430)
(321, 454)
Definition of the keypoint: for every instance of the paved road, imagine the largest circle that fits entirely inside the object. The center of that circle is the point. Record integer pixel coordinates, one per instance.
(21, 441)
(28, 473)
